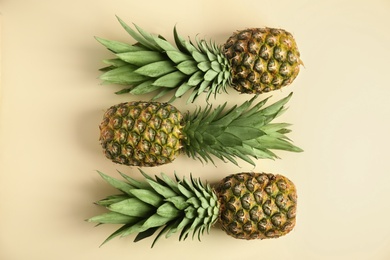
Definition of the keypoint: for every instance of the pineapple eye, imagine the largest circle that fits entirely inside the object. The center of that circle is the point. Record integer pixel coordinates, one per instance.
(240, 177)
(128, 123)
(258, 66)
(128, 150)
(153, 106)
(237, 190)
(271, 233)
(247, 227)
(156, 122)
(293, 197)
(265, 78)
(139, 126)
(271, 65)
(146, 115)
(232, 227)
(227, 185)
(116, 122)
(133, 139)
(276, 219)
(247, 61)
(282, 185)
(277, 81)
(144, 146)
(230, 205)
(122, 159)
(162, 160)
(163, 113)
(167, 151)
(258, 197)
(267, 208)
(110, 112)
(269, 189)
(286, 82)
(150, 160)
(240, 216)
(291, 212)
(264, 52)
(139, 155)
(279, 55)
(161, 138)
(156, 149)
(281, 201)
(244, 35)
(239, 47)
(121, 136)
(149, 134)
(284, 69)
(251, 77)
(262, 225)
(254, 214)
(259, 33)
(114, 149)
(253, 47)
(249, 185)
(262, 179)
(288, 226)
(123, 110)
(291, 58)
(245, 201)
(134, 112)
(225, 216)
(275, 31)
(270, 40)
(107, 135)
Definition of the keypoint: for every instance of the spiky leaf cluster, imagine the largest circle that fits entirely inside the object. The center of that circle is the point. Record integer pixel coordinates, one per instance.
(244, 131)
(160, 203)
(154, 64)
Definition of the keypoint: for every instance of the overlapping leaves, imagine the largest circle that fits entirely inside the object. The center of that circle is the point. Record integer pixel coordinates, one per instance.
(244, 131)
(154, 64)
(163, 204)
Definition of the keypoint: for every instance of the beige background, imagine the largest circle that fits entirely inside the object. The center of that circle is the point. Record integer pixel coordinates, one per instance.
(51, 103)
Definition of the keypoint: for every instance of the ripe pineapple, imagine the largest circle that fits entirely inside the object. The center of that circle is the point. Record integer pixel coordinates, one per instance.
(247, 206)
(251, 61)
(153, 133)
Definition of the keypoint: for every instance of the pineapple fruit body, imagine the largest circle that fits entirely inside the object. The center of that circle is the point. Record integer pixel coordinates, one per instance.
(141, 133)
(154, 133)
(254, 60)
(256, 205)
(262, 59)
(247, 205)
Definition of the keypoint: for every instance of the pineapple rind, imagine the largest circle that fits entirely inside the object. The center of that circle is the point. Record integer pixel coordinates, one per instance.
(141, 133)
(171, 205)
(262, 59)
(257, 205)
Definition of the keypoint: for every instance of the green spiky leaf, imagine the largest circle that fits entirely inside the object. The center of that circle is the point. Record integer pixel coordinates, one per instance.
(242, 132)
(199, 67)
(159, 203)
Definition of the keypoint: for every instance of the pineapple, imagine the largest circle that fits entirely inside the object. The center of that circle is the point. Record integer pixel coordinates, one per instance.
(153, 133)
(253, 60)
(246, 205)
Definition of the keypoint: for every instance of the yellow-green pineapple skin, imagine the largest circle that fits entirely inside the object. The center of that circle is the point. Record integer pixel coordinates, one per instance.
(257, 205)
(262, 59)
(141, 133)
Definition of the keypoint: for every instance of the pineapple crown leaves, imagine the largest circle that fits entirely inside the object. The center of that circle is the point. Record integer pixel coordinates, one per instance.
(154, 64)
(244, 131)
(160, 203)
